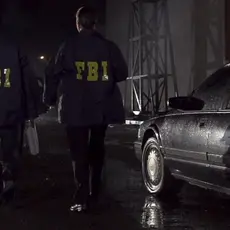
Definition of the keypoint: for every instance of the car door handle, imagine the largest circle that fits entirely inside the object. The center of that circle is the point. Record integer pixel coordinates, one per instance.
(202, 123)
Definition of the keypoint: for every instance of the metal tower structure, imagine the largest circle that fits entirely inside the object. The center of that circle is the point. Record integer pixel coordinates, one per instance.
(151, 59)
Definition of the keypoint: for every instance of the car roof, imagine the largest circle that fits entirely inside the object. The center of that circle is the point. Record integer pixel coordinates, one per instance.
(221, 75)
(215, 89)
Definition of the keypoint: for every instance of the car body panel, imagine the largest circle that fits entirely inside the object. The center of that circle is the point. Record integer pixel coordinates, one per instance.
(196, 144)
(138, 149)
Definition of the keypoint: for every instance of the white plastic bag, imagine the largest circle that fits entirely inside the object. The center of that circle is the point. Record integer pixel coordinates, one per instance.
(32, 137)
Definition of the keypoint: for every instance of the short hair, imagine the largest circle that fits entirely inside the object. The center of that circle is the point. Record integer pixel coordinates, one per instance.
(87, 17)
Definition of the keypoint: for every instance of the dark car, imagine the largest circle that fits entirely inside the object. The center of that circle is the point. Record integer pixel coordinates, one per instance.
(191, 141)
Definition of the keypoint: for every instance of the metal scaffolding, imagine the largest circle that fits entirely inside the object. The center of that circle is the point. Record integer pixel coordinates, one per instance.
(151, 59)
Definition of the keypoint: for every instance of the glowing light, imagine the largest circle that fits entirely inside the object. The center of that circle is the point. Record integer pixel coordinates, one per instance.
(42, 57)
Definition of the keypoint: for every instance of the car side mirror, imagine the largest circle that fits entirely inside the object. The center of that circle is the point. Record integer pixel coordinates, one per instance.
(186, 103)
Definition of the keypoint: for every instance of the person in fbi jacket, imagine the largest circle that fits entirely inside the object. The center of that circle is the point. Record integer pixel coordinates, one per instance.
(18, 88)
(87, 69)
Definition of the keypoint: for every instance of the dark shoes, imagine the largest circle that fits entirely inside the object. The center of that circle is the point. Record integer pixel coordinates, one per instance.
(80, 207)
(80, 199)
(7, 184)
(7, 191)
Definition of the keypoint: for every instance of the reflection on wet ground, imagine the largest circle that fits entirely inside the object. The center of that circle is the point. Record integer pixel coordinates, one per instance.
(46, 190)
(193, 208)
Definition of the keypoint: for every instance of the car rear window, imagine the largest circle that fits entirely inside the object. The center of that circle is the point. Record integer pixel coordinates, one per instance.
(221, 78)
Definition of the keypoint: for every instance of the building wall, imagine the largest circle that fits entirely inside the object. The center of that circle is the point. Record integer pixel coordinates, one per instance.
(189, 21)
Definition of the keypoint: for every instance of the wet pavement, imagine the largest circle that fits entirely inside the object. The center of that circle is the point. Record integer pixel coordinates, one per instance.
(46, 191)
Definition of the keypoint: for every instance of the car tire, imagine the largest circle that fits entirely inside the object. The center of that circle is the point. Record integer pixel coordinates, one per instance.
(156, 176)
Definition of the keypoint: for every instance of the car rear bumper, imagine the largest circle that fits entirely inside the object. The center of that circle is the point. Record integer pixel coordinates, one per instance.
(137, 149)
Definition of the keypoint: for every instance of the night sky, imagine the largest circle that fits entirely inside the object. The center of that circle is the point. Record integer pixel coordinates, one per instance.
(41, 25)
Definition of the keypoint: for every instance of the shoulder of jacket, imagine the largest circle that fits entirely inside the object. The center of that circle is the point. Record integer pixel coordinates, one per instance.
(112, 45)
(70, 39)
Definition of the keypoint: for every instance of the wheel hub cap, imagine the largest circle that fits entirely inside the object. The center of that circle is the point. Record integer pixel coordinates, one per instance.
(152, 165)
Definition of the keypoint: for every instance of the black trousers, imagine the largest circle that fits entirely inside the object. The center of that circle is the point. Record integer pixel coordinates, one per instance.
(87, 152)
(9, 149)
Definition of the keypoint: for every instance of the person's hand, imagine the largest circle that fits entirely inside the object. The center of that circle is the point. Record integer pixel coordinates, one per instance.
(30, 122)
(51, 107)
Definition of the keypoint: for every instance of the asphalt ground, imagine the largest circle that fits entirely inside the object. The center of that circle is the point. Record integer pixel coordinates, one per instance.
(46, 189)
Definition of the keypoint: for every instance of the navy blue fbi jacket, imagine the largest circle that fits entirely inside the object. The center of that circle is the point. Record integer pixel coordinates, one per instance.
(87, 70)
(17, 85)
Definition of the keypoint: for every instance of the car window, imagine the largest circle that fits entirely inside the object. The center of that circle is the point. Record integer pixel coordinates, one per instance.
(226, 101)
(227, 105)
(214, 90)
(216, 80)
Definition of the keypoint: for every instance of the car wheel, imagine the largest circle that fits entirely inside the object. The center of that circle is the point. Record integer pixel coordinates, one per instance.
(152, 166)
(157, 177)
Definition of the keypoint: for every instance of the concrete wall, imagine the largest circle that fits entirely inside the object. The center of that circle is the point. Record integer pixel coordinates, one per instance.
(189, 21)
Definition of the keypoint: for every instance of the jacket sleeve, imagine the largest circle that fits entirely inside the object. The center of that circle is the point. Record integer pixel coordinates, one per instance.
(52, 77)
(30, 87)
(119, 66)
